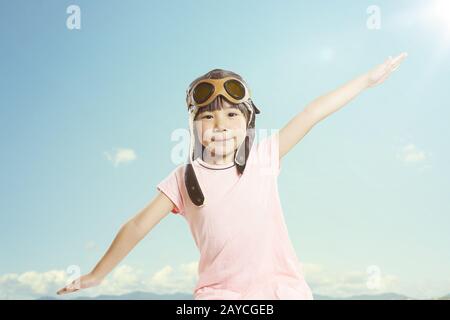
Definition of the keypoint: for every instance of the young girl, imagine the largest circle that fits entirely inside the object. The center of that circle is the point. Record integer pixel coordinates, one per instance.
(228, 192)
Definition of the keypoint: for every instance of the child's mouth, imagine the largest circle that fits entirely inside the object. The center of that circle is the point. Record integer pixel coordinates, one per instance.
(220, 139)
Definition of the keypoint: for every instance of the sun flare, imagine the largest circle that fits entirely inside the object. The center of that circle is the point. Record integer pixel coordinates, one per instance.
(437, 13)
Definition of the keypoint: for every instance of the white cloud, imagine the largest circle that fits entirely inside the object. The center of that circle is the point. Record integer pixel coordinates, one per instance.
(168, 280)
(162, 277)
(432, 16)
(412, 155)
(121, 156)
(336, 284)
(91, 246)
(122, 280)
(30, 284)
(125, 279)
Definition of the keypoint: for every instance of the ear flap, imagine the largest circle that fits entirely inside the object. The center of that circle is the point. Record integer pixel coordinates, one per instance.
(243, 151)
(241, 155)
(190, 179)
(193, 187)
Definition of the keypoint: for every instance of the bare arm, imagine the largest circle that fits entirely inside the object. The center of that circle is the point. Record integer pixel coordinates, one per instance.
(329, 103)
(133, 231)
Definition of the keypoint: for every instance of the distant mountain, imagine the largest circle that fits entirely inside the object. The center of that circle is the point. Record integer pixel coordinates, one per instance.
(447, 297)
(381, 296)
(140, 295)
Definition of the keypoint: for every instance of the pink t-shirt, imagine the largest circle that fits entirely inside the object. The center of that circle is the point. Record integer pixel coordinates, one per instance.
(245, 249)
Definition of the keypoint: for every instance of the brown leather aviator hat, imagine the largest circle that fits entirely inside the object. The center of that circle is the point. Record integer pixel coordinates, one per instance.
(201, 93)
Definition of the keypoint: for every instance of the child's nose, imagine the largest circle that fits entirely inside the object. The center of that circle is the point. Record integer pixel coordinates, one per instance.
(220, 123)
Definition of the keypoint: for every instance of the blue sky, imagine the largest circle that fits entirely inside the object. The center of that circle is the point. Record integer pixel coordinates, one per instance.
(87, 116)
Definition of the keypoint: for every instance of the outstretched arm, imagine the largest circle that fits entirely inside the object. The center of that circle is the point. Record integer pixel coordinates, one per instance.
(327, 104)
(126, 239)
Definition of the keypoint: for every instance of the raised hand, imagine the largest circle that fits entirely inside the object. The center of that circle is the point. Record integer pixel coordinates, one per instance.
(381, 72)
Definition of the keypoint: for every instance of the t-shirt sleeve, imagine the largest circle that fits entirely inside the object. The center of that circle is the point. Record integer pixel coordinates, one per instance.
(269, 154)
(171, 187)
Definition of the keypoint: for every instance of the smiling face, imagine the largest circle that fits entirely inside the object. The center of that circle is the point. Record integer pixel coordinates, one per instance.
(221, 131)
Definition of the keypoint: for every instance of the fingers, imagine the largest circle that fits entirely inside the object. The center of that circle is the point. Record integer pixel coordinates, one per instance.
(401, 57)
(68, 289)
(395, 63)
(383, 71)
(62, 291)
(387, 66)
(395, 68)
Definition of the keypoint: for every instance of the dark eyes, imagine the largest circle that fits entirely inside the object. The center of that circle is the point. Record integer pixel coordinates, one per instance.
(230, 114)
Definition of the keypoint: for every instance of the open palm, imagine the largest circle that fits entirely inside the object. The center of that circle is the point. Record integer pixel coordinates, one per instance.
(86, 281)
(381, 72)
